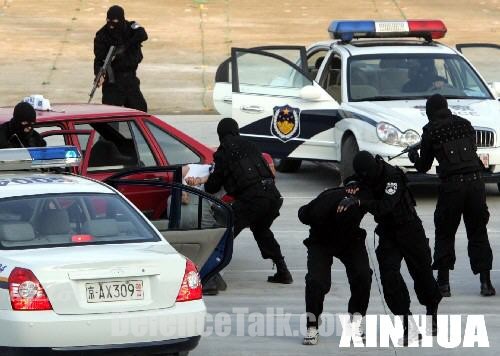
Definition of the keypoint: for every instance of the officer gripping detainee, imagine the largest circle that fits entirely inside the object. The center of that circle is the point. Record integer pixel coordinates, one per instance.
(401, 236)
(452, 141)
(122, 88)
(245, 175)
(334, 235)
(19, 132)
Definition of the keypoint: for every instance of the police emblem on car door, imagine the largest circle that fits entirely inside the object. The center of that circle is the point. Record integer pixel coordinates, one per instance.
(285, 124)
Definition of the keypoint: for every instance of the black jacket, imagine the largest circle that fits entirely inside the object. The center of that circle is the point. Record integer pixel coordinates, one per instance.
(128, 54)
(392, 202)
(8, 139)
(240, 168)
(451, 140)
(329, 227)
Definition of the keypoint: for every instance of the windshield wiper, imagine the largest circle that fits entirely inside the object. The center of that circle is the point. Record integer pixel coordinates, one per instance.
(386, 98)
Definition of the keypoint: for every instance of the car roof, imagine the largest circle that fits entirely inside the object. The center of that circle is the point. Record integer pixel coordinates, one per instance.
(389, 46)
(25, 183)
(63, 112)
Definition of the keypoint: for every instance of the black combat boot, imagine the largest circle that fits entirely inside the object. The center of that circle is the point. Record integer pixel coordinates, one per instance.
(443, 282)
(282, 275)
(432, 311)
(487, 289)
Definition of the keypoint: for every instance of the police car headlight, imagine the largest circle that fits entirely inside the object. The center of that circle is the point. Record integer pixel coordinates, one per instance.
(388, 133)
(409, 138)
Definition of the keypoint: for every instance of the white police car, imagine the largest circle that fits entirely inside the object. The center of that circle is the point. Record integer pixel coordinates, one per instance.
(364, 90)
(81, 269)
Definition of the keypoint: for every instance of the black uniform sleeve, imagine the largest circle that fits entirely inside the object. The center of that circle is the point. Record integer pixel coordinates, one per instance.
(101, 49)
(424, 162)
(393, 193)
(36, 140)
(304, 215)
(216, 179)
(139, 34)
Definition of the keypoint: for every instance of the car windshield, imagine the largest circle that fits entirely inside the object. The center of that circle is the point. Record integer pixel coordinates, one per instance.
(412, 76)
(70, 219)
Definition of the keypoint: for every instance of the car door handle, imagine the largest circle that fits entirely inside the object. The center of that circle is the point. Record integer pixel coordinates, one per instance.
(252, 109)
(227, 99)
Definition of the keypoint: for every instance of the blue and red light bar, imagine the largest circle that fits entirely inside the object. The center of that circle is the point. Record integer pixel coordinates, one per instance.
(39, 157)
(346, 30)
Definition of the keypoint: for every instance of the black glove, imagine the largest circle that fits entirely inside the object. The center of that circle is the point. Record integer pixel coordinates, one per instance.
(352, 187)
(347, 203)
(413, 156)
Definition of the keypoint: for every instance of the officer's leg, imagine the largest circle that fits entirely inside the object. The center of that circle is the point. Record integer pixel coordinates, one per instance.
(414, 246)
(243, 215)
(359, 274)
(318, 281)
(446, 220)
(112, 94)
(476, 218)
(395, 292)
(135, 99)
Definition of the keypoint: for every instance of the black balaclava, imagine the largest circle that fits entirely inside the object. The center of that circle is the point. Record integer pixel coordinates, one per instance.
(366, 166)
(23, 113)
(227, 126)
(115, 29)
(436, 107)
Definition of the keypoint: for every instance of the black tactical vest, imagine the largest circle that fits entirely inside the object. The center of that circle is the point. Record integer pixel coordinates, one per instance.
(245, 166)
(454, 144)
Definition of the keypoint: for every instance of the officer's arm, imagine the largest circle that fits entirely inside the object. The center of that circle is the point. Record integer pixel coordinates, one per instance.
(424, 163)
(139, 34)
(393, 193)
(100, 51)
(215, 180)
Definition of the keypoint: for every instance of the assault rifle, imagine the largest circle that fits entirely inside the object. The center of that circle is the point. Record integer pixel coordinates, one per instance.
(415, 146)
(102, 72)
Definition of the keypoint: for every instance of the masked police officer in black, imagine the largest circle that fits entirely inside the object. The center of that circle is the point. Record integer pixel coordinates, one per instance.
(244, 174)
(401, 236)
(19, 132)
(122, 87)
(334, 235)
(452, 141)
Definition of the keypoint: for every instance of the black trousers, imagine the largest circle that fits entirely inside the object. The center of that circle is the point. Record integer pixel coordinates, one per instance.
(258, 213)
(467, 199)
(124, 92)
(319, 280)
(408, 242)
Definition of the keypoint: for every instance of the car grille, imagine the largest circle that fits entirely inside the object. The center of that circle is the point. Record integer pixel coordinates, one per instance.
(485, 138)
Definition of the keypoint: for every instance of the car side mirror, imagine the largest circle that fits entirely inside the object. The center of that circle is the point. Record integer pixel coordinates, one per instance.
(495, 87)
(311, 93)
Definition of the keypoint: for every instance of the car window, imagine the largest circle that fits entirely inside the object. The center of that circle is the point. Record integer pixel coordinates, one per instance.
(331, 77)
(70, 219)
(174, 150)
(412, 76)
(114, 148)
(52, 140)
(314, 61)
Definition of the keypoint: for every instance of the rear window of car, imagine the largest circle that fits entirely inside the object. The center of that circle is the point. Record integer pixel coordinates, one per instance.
(70, 219)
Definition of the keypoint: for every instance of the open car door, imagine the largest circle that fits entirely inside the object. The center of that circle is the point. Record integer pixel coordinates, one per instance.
(486, 59)
(278, 106)
(195, 223)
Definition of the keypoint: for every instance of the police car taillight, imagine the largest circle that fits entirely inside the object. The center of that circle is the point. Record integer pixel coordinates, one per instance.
(347, 30)
(39, 157)
(191, 284)
(26, 292)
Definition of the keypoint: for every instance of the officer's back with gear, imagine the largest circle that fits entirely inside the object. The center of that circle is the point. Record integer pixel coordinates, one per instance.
(452, 141)
(19, 132)
(244, 174)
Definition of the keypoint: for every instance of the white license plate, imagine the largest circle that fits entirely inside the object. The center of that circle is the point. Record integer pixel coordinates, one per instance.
(114, 291)
(388, 26)
(485, 158)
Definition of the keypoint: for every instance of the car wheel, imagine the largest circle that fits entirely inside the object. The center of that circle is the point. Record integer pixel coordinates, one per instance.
(349, 150)
(287, 165)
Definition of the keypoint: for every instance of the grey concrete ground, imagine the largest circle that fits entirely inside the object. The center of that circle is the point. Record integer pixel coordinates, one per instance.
(247, 273)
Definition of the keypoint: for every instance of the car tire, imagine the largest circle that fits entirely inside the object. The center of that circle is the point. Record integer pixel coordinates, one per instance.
(349, 150)
(287, 165)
